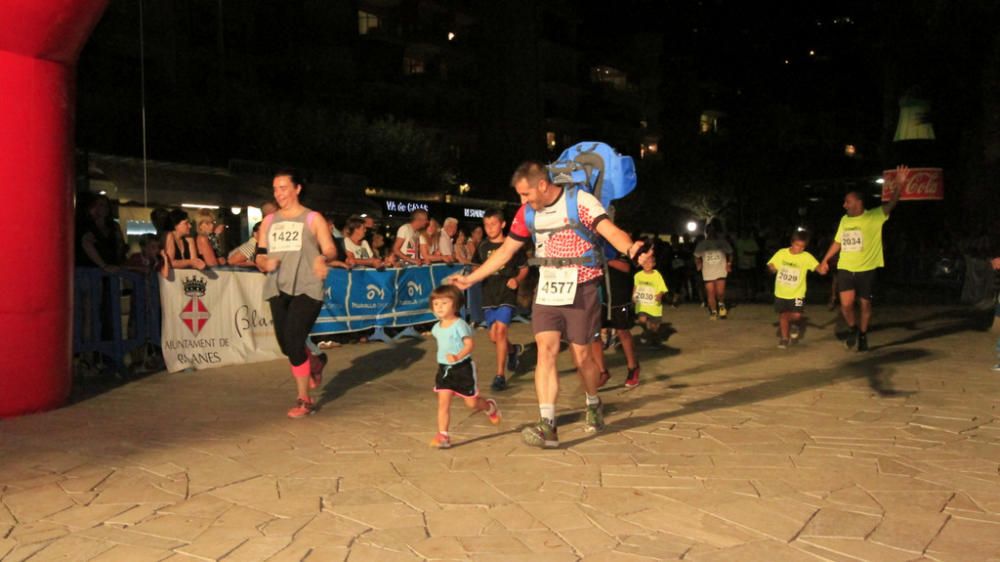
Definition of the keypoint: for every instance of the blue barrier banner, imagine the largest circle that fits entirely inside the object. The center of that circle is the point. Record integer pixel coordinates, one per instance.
(365, 298)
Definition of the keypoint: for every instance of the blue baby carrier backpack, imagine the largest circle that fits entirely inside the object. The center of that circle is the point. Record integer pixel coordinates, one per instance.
(598, 169)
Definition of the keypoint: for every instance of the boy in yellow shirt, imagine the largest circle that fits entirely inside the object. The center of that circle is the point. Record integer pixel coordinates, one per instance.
(648, 296)
(790, 266)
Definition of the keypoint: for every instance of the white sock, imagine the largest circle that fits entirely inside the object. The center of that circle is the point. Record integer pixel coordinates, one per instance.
(593, 400)
(548, 412)
(445, 433)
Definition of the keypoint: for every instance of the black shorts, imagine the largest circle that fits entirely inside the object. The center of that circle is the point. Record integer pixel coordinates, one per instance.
(861, 282)
(622, 316)
(459, 379)
(789, 305)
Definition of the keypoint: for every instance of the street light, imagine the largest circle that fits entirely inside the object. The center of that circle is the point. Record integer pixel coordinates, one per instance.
(692, 226)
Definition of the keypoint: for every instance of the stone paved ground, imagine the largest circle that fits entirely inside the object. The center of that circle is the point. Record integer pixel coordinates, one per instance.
(729, 450)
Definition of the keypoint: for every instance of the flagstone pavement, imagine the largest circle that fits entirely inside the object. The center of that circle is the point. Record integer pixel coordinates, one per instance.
(729, 450)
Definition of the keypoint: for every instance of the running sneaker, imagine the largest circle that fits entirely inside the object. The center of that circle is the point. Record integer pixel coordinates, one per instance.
(499, 383)
(632, 380)
(713, 315)
(514, 357)
(316, 365)
(723, 313)
(996, 367)
(542, 434)
(862, 342)
(793, 332)
(852, 338)
(440, 441)
(595, 418)
(302, 409)
(782, 344)
(493, 411)
(603, 378)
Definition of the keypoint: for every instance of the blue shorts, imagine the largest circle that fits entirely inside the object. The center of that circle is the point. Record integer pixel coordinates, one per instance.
(503, 314)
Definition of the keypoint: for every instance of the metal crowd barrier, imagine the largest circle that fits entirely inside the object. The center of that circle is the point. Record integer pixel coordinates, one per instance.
(114, 313)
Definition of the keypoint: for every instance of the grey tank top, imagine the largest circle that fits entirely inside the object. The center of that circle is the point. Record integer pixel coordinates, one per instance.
(293, 242)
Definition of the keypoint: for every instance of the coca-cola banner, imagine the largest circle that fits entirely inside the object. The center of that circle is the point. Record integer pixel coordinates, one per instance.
(921, 184)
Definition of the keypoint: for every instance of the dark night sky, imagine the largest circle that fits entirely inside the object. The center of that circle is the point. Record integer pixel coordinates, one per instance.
(294, 70)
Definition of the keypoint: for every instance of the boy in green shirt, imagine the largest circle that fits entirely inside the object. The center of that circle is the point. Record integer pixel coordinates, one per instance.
(648, 296)
(790, 266)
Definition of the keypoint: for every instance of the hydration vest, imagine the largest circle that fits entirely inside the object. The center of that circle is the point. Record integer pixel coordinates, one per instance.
(590, 258)
(594, 167)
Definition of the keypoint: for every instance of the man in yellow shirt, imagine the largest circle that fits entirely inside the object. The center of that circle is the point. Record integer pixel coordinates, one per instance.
(859, 241)
(790, 266)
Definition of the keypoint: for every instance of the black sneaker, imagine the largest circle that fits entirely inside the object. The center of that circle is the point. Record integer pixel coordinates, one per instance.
(863, 342)
(499, 383)
(782, 344)
(852, 338)
(632, 380)
(514, 357)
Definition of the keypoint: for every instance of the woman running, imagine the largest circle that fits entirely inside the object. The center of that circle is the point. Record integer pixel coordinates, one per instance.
(295, 245)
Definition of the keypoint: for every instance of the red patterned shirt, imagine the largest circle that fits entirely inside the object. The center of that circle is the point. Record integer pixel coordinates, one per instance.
(565, 243)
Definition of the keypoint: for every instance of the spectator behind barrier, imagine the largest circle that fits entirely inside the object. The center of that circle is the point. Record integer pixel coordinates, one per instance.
(150, 256)
(243, 255)
(180, 247)
(430, 244)
(99, 241)
(406, 248)
(207, 240)
(357, 251)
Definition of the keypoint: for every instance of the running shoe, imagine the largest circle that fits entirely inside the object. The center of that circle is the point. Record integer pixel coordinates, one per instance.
(542, 434)
(863, 342)
(493, 411)
(595, 418)
(782, 344)
(514, 357)
(852, 338)
(603, 378)
(793, 332)
(440, 441)
(302, 409)
(499, 383)
(996, 367)
(632, 380)
(723, 313)
(316, 365)
(713, 315)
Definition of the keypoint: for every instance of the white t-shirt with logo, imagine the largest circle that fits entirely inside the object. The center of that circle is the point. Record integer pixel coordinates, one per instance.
(411, 241)
(361, 251)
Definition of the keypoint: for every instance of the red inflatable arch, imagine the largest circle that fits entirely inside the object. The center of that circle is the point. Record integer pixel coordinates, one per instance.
(40, 42)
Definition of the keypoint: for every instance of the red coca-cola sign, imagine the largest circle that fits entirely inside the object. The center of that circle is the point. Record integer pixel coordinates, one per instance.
(921, 184)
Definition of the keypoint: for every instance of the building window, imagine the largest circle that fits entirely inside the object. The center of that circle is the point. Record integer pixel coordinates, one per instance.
(550, 140)
(413, 65)
(709, 123)
(608, 75)
(367, 22)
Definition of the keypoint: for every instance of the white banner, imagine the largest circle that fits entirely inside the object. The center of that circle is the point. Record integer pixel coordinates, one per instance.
(215, 317)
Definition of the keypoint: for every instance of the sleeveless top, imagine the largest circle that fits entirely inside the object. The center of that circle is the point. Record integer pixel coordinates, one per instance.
(293, 242)
(183, 250)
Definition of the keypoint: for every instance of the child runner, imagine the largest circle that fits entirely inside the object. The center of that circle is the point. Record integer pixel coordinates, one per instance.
(790, 266)
(648, 296)
(500, 294)
(714, 259)
(295, 244)
(456, 373)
